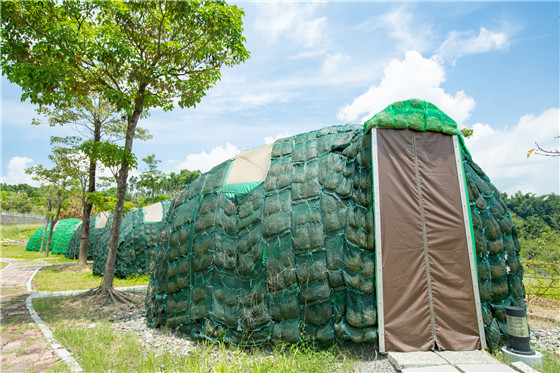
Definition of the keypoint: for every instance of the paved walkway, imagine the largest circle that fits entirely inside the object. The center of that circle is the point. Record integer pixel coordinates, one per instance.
(447, 362)
(22, 345)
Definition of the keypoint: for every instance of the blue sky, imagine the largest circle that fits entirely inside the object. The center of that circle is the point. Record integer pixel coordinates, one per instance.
(493, 67)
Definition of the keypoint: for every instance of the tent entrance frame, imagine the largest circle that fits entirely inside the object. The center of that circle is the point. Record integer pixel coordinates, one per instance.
(470, 239)
(379, 243)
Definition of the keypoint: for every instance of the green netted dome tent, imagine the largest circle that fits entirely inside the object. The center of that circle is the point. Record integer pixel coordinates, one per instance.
(62, 233)
(137, 239)
(73, 250)
(34, 242)
(386, 233)
(99, 225)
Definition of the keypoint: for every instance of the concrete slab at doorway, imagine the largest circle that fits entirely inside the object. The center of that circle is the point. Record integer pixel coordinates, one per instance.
(432, 369)
(467, 357)
(485, 368)
(404, 360)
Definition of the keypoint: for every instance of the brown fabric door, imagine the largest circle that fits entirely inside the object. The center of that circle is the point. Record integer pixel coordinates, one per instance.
(428, 298)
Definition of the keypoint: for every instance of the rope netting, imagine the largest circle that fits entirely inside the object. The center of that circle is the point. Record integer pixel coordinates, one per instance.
(293, 259)
(137, 238)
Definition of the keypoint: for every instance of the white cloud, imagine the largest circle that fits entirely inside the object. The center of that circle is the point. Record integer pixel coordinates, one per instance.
(413, 77)
(292, 20)
(460, 44)
(334, 61)
(15, 172)
(401, 26)
(502, 154)
(272, 139)
(205, 161)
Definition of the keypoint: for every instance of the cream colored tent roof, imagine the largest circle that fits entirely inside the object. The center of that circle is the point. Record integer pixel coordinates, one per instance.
(251, 165)
(102, 219)
(153, 213)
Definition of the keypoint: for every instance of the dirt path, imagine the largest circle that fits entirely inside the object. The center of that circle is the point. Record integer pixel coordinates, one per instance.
(22, 345)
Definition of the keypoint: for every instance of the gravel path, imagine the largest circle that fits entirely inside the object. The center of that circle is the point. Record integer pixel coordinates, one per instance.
(546, 340)
(134, 321)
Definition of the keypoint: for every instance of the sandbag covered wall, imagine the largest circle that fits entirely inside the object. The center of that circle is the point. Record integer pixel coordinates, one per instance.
(99, 234)
(499, 268)
(292, 259)
(137, 239)
(73, 250)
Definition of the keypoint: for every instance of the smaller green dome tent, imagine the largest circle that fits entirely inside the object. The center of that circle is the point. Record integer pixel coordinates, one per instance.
(62, 233)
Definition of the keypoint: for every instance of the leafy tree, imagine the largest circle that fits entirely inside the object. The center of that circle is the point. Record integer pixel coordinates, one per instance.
(150, 183)
(537, 220)
(21, 198)
(96, 119)
(136, 54)
(174, 183)
(466, 132)
(58, 181)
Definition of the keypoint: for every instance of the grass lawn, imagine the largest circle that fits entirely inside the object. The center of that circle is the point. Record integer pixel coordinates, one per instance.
(86, 331)
(74, 277)
(19, 252)
(3, 265)
(19, 232)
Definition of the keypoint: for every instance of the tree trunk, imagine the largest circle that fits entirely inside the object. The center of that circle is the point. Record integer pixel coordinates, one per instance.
(109, 274)
(87, 207)
(44, 233)
(49, 207)
(53, 223)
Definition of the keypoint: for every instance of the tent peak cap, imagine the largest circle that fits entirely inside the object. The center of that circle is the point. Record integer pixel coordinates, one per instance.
(413, 114)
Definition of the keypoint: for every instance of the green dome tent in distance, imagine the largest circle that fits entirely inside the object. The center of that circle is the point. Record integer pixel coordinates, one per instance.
(137, 239)
(62, 233)
(360, 233)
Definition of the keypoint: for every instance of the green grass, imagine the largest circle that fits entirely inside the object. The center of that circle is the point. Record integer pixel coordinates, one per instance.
(74, 277)
(18, 232)
(551, 362)
(89, 336)
(3, 265)
(19, 252)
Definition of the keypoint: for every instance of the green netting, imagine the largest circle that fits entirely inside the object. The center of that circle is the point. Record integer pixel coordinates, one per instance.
(34, 242)
(73, 250)
(417, 115)
(240, 190)
(137, 240)
(62, 233)
(294, 258)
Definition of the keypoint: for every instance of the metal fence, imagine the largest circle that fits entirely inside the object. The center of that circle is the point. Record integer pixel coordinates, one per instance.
(542, 279)
(13, 218)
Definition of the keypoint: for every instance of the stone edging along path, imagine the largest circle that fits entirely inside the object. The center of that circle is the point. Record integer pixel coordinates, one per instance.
(6, 267)
(62, 352)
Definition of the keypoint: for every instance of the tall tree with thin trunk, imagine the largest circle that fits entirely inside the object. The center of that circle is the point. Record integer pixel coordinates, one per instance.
(136, 54)
(96, 120)
(58, 181)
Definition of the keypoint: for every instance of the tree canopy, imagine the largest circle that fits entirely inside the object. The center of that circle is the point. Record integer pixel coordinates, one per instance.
(136, 55)
(165, 52)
